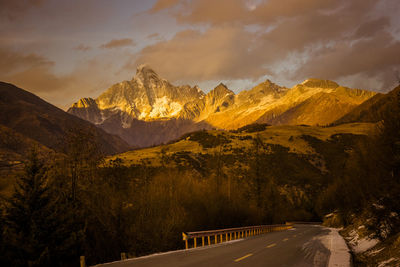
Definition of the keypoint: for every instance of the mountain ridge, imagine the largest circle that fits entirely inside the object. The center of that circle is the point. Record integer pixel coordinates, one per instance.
(31, 116)
(148, 98)
(374, 109)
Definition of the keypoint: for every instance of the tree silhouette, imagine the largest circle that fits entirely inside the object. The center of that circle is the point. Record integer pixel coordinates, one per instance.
(37, 226)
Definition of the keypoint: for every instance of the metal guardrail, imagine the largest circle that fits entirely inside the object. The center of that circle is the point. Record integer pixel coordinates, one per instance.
(300, 222)
(221, 235)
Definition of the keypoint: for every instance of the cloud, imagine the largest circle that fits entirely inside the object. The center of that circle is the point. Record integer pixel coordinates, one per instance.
(163, 4)
(375, 56)
(242, 39)
(15, 8)
(219, 53)
(116, 43)
(32, 72)
(37, 74)
(82, 47)
(12, 61)
(154, 36)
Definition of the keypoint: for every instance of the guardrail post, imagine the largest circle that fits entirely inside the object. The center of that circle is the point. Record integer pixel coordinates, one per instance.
(195, 242)
(209, 241)
(202, 241)
(185, 237)
(235, 236)
(220, 238)
(83, 262)
(226, 237)
(123, 256)
(216, 239)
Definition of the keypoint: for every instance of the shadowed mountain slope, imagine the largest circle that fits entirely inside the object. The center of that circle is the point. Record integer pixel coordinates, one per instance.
(34, 118)
(373, 109)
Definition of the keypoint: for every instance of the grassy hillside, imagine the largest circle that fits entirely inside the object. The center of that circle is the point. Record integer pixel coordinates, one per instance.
(294, 139)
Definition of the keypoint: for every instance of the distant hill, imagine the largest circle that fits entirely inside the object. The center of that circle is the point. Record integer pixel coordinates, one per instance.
(373, 109)
(35, 119)
(319, 147)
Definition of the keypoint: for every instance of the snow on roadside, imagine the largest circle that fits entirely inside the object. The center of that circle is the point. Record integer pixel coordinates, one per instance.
(389, 262)
(360, 245)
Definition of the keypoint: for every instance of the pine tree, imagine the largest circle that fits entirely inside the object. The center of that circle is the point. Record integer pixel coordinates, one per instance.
(38, 232)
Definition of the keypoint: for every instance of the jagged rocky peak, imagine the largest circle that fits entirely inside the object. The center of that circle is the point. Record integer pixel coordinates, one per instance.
(312, 82)
(269, 86)
(221, 90)
(198, 89)
(84, 103)
(145, 75)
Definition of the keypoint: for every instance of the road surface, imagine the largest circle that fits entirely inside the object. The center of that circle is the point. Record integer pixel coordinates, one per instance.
(304, 245)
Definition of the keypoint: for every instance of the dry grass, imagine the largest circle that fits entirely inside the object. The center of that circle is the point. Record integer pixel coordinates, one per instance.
(287, 136)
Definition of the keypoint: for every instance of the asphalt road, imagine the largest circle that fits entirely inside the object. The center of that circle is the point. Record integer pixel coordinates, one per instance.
(298, 247)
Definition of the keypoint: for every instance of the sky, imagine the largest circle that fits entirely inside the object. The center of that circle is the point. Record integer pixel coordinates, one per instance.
(65, 50)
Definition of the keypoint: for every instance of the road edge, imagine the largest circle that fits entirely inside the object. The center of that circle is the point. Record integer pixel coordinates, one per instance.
(340, 253)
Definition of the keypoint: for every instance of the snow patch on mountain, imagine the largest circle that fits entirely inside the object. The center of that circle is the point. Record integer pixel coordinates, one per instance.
(164, 107)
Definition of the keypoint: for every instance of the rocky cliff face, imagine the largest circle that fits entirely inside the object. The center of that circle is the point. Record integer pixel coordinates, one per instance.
(148, 110)
(146, 97)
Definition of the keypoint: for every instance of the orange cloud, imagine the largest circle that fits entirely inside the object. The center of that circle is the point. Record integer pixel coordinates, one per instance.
(36, 74)
(219, 53)
(163, 4)
(241, 39)
(116, 43)
(154, 36)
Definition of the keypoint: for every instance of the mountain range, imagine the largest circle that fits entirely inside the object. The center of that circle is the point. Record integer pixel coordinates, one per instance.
(149, 110)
